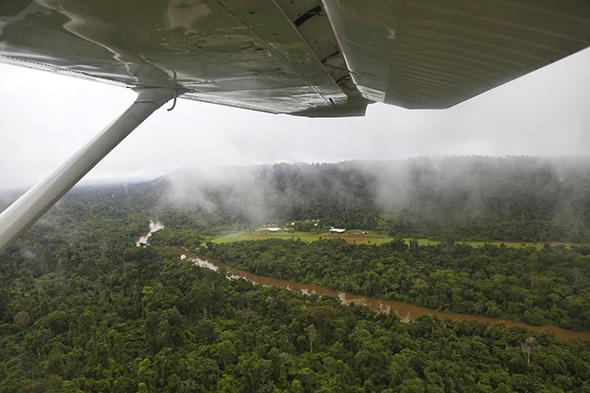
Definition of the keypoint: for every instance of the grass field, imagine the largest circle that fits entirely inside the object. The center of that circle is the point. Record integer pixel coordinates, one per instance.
(370, 238)
(305, 236)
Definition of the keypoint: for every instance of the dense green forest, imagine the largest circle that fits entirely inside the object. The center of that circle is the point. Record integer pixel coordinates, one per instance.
(84, 310)
(96, 314)
(548, 286)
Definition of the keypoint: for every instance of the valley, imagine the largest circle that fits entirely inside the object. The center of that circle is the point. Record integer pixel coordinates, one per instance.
(456, 275)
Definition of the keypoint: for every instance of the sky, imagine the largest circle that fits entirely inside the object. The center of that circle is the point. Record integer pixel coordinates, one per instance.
(46, 117)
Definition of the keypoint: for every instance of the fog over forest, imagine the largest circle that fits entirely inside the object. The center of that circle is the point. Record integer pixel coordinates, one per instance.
(547, 193)
(509, 198)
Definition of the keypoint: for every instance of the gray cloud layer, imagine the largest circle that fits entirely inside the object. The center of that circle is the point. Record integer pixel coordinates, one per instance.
(46, 117)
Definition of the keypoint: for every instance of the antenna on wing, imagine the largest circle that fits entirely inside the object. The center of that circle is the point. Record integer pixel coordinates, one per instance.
(175, 93)
(173, 104)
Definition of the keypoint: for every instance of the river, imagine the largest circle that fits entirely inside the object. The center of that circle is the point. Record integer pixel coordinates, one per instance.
(406, 311)
(153, 227)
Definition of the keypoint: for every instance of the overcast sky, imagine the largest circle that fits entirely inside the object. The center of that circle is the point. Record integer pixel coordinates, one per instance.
(46, 117)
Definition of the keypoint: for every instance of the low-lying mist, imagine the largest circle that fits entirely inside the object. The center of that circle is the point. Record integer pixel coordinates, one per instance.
(542, 198)
(479, 198)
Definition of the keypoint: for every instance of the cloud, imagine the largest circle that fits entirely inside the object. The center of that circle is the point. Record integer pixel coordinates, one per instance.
(47, 117)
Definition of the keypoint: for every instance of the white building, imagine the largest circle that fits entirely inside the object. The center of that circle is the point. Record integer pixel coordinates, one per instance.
(337, 230)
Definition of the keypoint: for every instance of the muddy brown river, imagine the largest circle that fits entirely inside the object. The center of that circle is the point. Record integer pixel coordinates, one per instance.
(406, 311)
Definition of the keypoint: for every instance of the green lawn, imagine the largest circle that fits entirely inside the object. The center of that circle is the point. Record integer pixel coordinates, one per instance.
(370, 238)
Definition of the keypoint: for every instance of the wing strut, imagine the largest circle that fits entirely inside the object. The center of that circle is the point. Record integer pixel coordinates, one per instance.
(23, 213)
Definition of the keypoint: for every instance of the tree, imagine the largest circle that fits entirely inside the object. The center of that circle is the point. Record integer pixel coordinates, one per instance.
(312, 334)
(527, 348)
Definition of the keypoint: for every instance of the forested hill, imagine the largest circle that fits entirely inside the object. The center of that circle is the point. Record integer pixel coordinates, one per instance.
(463, 198)
(479, 198)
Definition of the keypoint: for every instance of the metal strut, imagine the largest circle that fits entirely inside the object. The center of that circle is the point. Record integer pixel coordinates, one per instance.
(23, 213)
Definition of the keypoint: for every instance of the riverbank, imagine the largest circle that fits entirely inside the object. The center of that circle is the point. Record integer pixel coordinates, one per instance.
(406, 311)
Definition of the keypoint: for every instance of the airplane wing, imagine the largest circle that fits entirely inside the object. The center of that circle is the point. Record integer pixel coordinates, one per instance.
(430, 54)
(301, 57)
(304, 57)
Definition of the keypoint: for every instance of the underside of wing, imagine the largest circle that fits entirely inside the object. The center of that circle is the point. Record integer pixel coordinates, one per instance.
(431, 54)
(244, 53)
(304, 57)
